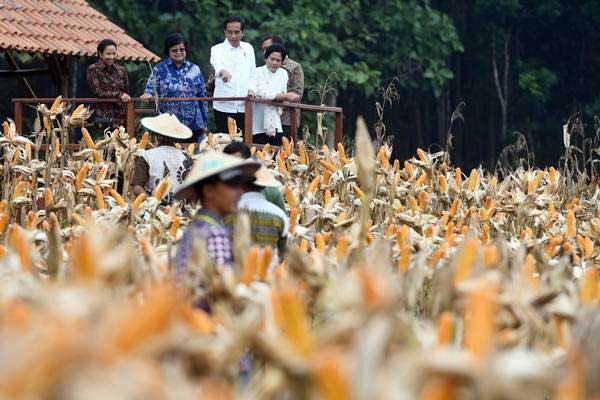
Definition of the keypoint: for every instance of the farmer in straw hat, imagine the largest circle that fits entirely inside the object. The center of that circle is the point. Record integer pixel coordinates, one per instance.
(165, 159)
(269, 223)
(217, 181)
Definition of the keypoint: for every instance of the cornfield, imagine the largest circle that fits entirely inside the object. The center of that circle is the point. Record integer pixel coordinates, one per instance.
(409, 280)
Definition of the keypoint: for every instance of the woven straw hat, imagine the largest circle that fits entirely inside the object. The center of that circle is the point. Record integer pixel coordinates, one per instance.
(265, 178)
(211, 164)
(167, 125)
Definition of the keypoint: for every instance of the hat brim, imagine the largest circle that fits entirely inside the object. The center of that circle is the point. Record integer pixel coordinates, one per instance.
(184, 132)
(247, 168)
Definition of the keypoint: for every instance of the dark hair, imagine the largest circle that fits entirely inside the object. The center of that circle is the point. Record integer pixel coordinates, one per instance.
(233, 18)
(173, 40)
(274, 38)
(276, 48)
(104, 43)
(238, 147)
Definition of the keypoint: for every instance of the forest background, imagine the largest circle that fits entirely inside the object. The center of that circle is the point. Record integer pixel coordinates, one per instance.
(518, 65)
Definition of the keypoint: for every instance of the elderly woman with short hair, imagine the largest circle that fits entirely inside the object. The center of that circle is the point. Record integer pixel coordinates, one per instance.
(178, 77)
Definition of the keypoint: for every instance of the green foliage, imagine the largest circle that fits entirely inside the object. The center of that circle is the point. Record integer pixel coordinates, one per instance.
(536, 82)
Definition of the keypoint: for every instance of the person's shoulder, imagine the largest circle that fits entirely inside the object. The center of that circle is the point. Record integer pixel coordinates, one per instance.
(94, 67)
(292, 64)
(247, 46)
(218, 46)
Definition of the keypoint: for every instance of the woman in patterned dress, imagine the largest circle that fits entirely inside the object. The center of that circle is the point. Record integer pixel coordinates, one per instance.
(107, 79)
(178, 77)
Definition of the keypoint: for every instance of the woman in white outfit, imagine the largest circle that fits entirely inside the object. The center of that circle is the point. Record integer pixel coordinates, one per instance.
(270, 82)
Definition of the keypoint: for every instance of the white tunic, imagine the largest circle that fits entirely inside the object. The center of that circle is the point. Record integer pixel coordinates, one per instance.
(267, 85)
(162, 157)
(241, 63)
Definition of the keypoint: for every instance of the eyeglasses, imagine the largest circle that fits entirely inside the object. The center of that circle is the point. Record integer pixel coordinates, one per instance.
(178, 50)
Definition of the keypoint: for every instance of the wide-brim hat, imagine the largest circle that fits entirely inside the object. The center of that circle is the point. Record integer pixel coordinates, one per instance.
(212, 164)
(264, 178)
(167, 125)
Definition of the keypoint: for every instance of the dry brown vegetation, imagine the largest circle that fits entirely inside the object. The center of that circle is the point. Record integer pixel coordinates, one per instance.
(404, 280)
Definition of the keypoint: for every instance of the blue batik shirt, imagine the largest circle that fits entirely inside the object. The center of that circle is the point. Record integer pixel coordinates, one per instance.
(184, 81)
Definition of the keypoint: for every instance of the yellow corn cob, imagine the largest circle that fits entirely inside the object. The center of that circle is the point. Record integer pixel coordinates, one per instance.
(422, 180)
(6, 129)
(480, 321)
(342, 217)
(304, 246)
(264, 262)
(436, 257)
(291, 318)
(465, 260)
(330, 378)
(326, 176)
(210, 140)
(442, 183)
(589, 287)
(560, 335)
(327, 196)
(48, 198)
(293, 220)
(102, 174)
(454, 207)
(422, 155)
(143, 141)
(320, 243)
(138, 201)
(175, 226)
(491, 256)
(231, 126)
(260, 155)
(16, 239)
(314, 184)
(55, 104)
(440, 388)
(329, 166)
(280, 165)
(473, 180)
(571, 224)
(423, 201)
(533, 184)
(289, 196)
(250, 266)
(458, 176)
(117, 197)
(529, 271)
(396, 165)
(485, 233)
(493, 182)
(287, 148)
(359, 192)
(162, 188)
(383, 159)
(588, 247)
(342, 248)
(445, 328)
(302, 152)
(77, 111)
(404, 260)
(19, 189)
(552, 175)
(4, 219)
(99, 198)
(412, 204)
(408, 168)
(342, 154)
(28, 151)
(81, 176)
(89, 142)
(253, 150)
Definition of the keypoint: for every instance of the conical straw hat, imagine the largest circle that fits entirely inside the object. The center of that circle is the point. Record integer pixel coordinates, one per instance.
(167, 125)
(265, 178)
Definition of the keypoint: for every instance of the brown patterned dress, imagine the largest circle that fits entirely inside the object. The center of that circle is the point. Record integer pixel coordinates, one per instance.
(109, 81)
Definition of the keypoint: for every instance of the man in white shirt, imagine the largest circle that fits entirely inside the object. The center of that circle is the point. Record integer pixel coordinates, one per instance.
(234, 64)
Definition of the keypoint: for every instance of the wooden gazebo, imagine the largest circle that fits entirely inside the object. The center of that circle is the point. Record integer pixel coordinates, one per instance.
(60, 30)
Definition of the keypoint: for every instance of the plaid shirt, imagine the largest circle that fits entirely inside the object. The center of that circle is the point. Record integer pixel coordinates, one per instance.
(210, 228)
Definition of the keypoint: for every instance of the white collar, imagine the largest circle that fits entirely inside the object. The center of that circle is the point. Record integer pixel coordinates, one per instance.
(230, 47)
(253, 195)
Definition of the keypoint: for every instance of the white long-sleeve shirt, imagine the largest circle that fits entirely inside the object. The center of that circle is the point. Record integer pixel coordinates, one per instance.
(240, 62)
(267, 85)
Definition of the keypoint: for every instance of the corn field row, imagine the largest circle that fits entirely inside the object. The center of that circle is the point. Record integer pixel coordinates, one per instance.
(403, 280)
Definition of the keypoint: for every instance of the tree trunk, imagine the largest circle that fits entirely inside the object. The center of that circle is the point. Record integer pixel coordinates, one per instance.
(502, 83)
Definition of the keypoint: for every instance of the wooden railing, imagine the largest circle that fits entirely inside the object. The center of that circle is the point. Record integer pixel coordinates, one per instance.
(132, 111)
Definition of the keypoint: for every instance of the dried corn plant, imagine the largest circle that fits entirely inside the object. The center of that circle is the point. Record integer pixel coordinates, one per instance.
(403, 280)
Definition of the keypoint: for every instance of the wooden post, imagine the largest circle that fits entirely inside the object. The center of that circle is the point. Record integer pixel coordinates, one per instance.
(248, 122)
(18, 117)
(131, 119)
(338, 127)
(294, 123)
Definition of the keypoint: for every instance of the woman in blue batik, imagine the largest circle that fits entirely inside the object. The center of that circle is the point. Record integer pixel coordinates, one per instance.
(177, 77)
